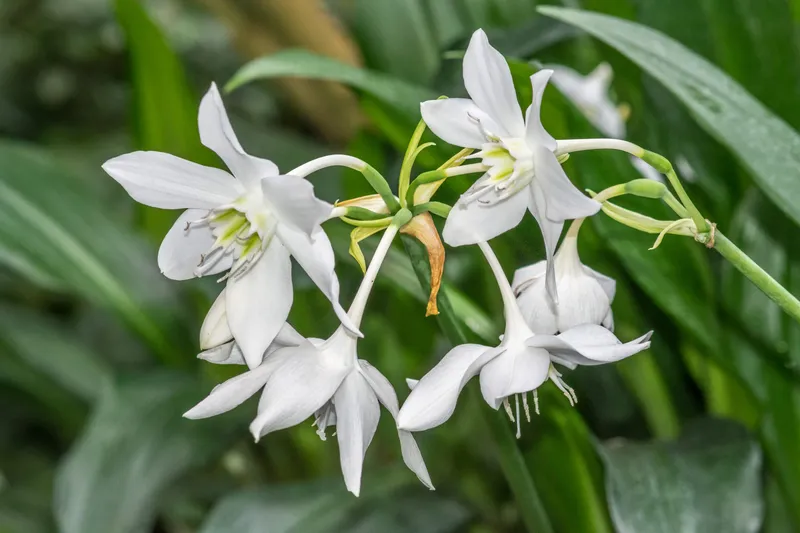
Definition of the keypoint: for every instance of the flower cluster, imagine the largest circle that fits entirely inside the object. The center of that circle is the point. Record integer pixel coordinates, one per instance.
(246, 224)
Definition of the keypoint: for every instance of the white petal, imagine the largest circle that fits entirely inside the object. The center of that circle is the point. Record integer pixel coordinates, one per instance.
(217, 134)
(411, 383)
(168, 182)
(512, 372)
(535, 134)
(215, 329)
(589, 344)
(287, 336)
(224, 354)
(469, 223)
(357, 415)
(231, 393)
(489, 84)
(457, 121)
(538, 308)
(608, 284)
(581, 300)
(550, 233)
(563, 201)
(525, 276)
(181, 250)
(302, 383)
(408, 446)
(433, 400)
(259, 301)
(293, 200)
(608, 320)
(315, 255)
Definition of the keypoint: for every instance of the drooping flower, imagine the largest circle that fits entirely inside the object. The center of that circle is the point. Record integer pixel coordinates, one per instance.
(324, 379)
(249, 222)
(584, 295)
(520, 364)
(517, 153)
(590, 94)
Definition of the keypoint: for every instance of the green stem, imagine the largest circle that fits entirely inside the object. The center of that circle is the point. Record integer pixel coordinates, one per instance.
(437, 208)
(757, 275)
(511, 460)
(408, 162)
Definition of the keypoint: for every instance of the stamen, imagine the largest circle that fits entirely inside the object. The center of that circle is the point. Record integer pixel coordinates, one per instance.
(508, 410)
(486, 133)
(536, 401)
(525, 404)
(555, 376)
(516, 401)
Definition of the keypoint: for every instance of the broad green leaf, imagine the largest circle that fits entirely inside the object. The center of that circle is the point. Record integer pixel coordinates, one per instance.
(164, 108)
(326, 507)
(52, 226)
(708, 480)
(53, 351)
(396, 37)
(766, 145)
(135, 446)
(303, 64)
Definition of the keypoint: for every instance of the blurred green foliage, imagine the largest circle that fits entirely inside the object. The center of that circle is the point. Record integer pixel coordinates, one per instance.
(97, 349)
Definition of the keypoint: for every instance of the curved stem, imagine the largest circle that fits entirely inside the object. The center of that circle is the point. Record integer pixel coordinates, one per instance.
(408, 162)
(510, 308)
(356, 311)
(658, 162)
(776, 292)
(375, 179)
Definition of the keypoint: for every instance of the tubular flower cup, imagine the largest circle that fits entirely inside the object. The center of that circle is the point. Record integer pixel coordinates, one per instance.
(520, 364)
(248, 222)
(585, 295)
(302, 377)
(521, 170)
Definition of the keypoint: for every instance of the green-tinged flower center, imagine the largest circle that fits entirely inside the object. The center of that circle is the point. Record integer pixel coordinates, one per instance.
(510, 170)
(242, 231)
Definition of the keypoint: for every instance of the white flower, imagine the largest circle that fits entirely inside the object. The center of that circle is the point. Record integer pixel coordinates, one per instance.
(520, 364)
(249, 222)
(584, 295)
(522, 171)
(325, 379)
(590, 94)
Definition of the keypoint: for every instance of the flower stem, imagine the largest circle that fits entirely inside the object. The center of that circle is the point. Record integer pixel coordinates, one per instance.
(408, 162)
(757, 275)
(356, 311)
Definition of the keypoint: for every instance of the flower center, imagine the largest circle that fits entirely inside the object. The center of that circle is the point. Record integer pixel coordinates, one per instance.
(510, 170)
(242, 230)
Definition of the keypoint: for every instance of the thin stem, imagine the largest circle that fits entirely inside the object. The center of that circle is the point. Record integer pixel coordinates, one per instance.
(757, 275)
(581, 145)
(356, 311)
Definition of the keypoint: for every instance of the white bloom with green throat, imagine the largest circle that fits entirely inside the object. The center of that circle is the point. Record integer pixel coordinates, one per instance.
(521, 170)
(520, 364)
(249, 222)
(320, 378)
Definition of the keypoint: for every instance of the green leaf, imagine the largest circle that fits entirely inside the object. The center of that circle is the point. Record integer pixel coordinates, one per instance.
(708, 480)
(563, 460)
(397, 38)
(164, 108)
(135, 446)
(326, 507)
(303, 64)
(53, 228)
(766, 145)
(53, 351)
